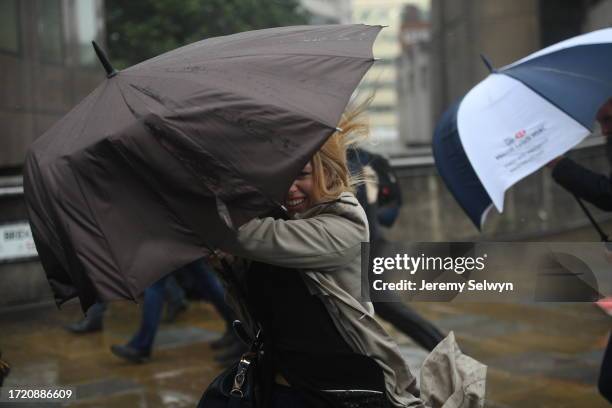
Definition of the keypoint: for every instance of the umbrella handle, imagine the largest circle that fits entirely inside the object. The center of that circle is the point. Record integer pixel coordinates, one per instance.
(602, 235)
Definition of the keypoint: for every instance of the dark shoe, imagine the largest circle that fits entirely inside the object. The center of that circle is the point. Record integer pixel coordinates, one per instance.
(85, 326)
(228, 338)
(130, 353)
(173, 310)
(231, 354)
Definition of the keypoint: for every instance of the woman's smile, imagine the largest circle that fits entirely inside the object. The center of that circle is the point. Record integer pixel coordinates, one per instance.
(299, 196)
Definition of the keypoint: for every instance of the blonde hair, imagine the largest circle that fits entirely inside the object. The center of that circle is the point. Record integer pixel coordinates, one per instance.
(330, 173)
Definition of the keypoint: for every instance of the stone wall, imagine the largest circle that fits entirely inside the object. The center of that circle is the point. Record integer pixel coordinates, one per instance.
(502, 30)
(534, 207)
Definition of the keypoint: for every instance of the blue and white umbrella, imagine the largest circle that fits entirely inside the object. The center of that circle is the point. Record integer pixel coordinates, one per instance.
(521, 117)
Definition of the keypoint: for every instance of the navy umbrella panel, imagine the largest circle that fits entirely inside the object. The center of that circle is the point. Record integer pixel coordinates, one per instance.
(456, 171)
(521, 117)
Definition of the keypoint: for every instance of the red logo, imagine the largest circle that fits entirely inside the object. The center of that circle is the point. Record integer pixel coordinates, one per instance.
(520, 134)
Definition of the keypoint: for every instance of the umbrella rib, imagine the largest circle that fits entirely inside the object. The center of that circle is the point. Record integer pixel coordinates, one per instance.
(102, 234)
(245, 42)
(569, 73)
(302, 114)
(296, 54)
(587, 127)
(88, 108)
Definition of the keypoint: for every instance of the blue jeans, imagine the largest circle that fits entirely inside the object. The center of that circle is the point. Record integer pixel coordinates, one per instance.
(174, 292)
(154, 303)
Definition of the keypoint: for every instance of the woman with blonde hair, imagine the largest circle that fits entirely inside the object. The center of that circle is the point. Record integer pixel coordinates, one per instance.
(322, 346)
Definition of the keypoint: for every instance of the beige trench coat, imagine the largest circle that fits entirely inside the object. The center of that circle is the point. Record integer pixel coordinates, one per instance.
(324, 244)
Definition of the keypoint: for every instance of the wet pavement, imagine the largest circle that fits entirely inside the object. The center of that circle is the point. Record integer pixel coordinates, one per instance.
(539, 355)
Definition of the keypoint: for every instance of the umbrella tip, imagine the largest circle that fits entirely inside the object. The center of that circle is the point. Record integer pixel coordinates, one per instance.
(488, 64)
(110, 71)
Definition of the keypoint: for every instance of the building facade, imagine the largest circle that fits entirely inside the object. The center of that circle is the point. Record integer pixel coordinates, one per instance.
(47, 65)
(503, 31)
(382, 79)
(414, 78)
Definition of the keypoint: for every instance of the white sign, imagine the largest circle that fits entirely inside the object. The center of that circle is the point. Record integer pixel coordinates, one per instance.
(16, 241)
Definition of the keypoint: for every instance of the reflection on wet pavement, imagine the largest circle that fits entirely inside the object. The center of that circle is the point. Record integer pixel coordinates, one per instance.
(41, 352)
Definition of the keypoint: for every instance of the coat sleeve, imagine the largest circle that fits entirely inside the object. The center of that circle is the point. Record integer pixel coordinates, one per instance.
(586, 184)
(325, 241)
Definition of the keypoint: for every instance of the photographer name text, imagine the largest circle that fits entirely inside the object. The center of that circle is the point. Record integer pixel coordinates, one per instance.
(471, 285)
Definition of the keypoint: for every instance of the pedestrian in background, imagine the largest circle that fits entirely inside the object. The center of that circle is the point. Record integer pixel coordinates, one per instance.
(140, 346)
(596, 189)
(379, 183)
(94, 318)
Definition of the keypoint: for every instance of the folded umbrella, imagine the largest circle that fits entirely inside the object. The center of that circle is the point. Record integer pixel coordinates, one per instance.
(521, 117)
(164, 159)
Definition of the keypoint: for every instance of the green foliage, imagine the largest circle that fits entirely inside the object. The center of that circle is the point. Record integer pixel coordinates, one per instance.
(141, 29)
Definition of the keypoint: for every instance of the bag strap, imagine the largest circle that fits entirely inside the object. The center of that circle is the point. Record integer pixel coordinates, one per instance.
(602, 234)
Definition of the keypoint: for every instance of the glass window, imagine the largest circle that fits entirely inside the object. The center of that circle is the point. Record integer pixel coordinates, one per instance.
(9, 26)
(50, 31)
(86, 30)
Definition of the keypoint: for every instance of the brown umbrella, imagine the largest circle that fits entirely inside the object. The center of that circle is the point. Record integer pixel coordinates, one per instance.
(164, 158)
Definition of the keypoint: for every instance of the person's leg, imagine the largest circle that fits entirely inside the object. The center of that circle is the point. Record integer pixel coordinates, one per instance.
(175, 297)
(151, 315)
(605, 375)
(93, 320)
(212, 290)
(174, 292)
(97, 310)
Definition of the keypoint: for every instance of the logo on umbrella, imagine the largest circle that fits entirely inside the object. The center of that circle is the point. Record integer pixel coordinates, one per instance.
(521, 133)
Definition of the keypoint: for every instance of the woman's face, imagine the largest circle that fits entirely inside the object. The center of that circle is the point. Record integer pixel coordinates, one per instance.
(300, 196)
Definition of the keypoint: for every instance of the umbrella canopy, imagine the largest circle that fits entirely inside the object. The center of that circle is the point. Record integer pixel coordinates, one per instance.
(166, 158)
(521, 117)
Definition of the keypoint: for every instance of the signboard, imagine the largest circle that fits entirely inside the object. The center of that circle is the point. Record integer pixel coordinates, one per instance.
(16, 241)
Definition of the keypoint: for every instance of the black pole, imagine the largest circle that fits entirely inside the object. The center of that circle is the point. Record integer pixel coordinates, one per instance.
(602, 235)
(110, 71)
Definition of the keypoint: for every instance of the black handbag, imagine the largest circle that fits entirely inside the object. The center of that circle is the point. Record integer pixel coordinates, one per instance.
(237, 386)
(233, 388)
